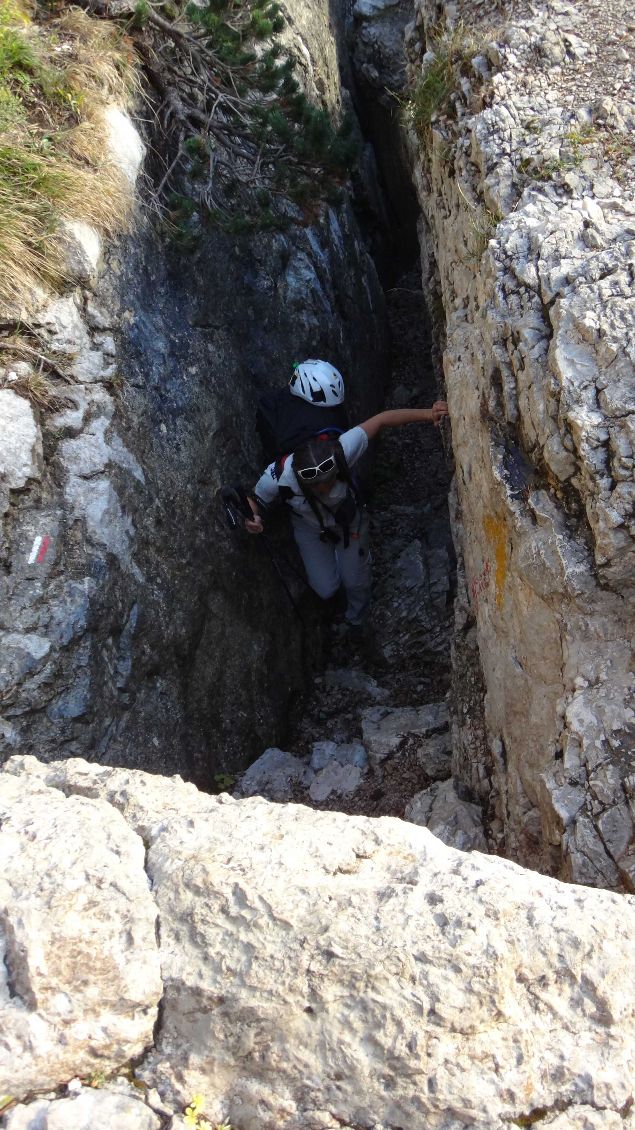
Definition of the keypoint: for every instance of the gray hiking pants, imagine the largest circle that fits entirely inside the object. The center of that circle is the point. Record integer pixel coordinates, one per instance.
(328, 566)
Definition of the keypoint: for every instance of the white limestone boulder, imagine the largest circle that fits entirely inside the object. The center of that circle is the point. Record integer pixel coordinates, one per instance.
(80, 245)
(144, 799)
(344, 753)
(124, 142)
(321, 970)
(79, 968)
(274, 775)
(335, 780)
(91, 1108)
(317, 965)
(369, 9)
(457, 822)
(21, 445)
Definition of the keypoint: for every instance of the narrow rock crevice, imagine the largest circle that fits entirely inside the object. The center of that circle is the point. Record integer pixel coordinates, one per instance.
(374, 735)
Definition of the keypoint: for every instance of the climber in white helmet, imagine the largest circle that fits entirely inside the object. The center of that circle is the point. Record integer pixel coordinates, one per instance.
(329, 522)
(317, 382)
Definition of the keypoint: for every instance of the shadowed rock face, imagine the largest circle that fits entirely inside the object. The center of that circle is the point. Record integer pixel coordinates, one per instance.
(376, 44)
(315, 970)
(133, 628)
(157, 620)
(199, 352)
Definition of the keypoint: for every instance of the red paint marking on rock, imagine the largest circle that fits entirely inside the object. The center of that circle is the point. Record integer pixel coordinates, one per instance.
(46, 541)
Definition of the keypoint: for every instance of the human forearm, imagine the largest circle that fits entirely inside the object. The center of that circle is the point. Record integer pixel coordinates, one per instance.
(253, 525)
(395, 417)
(260, 498)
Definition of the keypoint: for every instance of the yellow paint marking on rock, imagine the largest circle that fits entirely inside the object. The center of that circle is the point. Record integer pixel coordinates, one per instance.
(496, 532)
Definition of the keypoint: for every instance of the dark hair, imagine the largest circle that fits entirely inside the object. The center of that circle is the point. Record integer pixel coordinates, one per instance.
(311, 454)
(314, 452)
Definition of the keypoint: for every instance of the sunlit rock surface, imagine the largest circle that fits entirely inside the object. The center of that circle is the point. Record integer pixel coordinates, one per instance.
(80, 975)
(316, 970)
(529, 221)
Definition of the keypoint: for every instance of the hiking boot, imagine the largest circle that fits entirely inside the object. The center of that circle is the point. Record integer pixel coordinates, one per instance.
(350, 637)
(336, 606)
(356, 632)
(357, 635)
(339, 629)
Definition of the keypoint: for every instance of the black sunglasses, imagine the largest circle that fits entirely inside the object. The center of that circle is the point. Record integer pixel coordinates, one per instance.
(322, 469)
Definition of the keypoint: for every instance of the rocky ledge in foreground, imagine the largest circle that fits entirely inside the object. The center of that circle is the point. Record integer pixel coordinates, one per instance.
(294, 968)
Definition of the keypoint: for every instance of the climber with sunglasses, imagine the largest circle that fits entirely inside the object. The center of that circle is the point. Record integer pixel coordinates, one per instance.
(329, 522)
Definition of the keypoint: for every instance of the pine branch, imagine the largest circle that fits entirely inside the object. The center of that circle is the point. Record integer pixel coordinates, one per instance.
(241, 139)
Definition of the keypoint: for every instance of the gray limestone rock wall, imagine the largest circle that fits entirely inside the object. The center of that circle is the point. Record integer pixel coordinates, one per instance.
(528, 230)
(134, 629)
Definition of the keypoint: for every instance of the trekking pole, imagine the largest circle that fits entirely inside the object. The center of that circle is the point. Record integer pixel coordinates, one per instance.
(286, 588)
(283, 557)
(237, 509)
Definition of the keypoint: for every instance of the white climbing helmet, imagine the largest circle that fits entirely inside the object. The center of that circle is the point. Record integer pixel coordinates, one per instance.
(318, 382)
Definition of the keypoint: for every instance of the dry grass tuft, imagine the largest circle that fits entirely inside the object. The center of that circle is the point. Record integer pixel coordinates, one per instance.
(453, 48)
(27, 371)
(55, 81)
(103, 61)
(40, 391)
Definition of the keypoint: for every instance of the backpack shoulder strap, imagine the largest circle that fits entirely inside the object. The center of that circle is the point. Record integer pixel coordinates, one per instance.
(344, 472)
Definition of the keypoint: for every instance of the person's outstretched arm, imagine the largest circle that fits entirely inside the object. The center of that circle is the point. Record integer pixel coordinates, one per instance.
(394, 417)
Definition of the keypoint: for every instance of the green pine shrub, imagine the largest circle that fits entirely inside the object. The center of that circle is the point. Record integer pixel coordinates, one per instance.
(260, 144)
